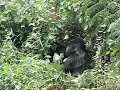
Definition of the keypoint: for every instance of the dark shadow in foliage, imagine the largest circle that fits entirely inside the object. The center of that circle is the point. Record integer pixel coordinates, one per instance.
(56, 47)
(78, 58)
(21, 30)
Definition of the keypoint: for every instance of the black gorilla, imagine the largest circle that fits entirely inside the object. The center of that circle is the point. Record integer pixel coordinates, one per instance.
(78, 58)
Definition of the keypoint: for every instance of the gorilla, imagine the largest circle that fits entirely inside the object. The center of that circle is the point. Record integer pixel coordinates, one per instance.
(77, 57)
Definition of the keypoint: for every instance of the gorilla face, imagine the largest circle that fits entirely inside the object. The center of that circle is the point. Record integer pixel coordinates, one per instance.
(75, 45)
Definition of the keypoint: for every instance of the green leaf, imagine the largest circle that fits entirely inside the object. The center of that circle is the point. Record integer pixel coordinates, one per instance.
(6, 68)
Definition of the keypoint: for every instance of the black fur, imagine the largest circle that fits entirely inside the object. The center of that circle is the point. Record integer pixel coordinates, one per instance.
(77, 56)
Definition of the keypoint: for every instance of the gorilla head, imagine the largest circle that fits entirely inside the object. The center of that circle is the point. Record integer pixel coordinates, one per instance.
(77, 56)
(75, 45)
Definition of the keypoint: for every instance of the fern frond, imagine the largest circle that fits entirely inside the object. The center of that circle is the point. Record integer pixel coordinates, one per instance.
(105, 15)
(113, 17)
(99, 17)
(115, 29)
(95, 9)
(113, 7)
(87, 4)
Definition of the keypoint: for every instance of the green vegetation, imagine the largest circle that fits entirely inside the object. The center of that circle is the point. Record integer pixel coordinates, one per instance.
(29, 27)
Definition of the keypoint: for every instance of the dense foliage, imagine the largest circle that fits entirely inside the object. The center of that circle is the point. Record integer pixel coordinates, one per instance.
(29, 29)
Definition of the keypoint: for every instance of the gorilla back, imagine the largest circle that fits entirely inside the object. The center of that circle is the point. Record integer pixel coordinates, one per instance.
(78, 58)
